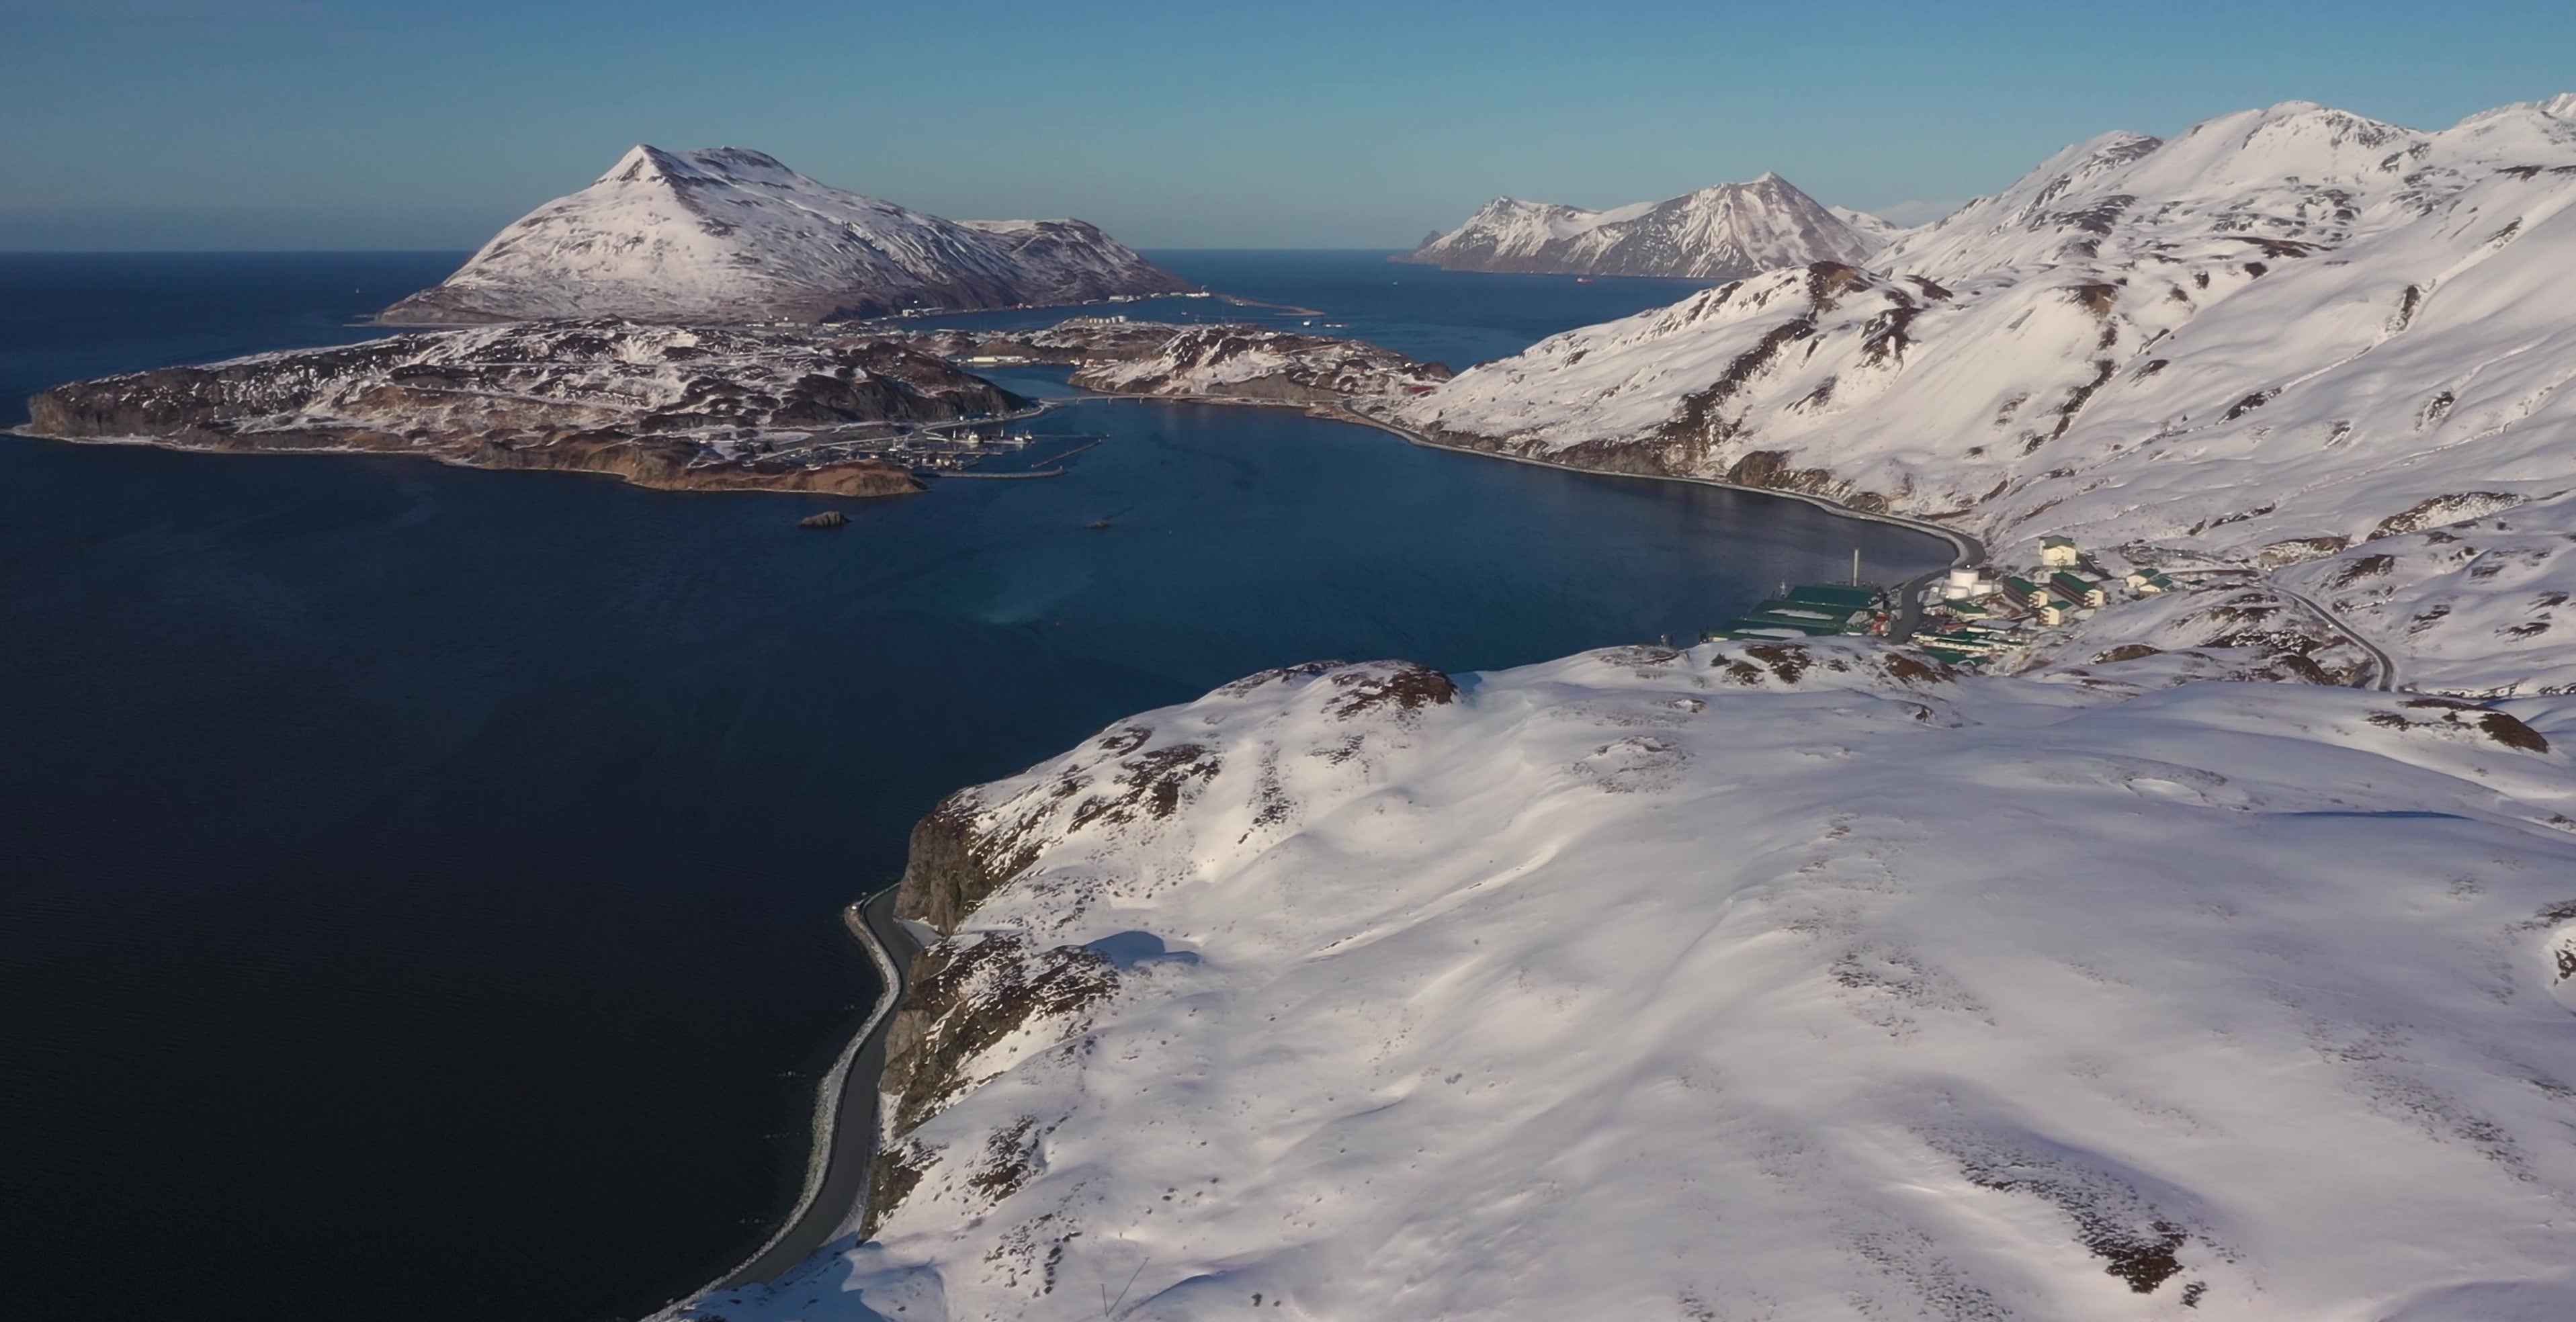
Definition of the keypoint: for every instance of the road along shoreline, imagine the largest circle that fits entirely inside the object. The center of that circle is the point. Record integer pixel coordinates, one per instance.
(843, 1150)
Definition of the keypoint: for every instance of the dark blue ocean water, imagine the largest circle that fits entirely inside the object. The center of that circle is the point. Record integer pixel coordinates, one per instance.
(418, 886)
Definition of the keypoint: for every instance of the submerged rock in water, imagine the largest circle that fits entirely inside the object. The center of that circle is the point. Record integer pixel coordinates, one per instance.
(826, 519)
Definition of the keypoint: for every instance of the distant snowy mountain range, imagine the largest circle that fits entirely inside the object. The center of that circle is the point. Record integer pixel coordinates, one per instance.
(2283, 333)
(730, 235)
(1719, 233)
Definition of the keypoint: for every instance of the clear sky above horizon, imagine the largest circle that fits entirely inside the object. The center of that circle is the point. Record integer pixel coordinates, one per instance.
(158, 124)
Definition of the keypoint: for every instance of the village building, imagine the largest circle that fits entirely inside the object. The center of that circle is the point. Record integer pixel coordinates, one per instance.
(2023, 592)
(2077, 590)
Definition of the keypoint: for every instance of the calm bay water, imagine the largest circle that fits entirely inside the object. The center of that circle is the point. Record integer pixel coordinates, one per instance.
(418, 886)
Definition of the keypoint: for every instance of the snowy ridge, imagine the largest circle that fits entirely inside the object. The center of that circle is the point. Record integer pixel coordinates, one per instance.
(2260, 342)
(1754, 981)
(1717, 233)
(1254, 362)
(1873, 230)
(731, 235)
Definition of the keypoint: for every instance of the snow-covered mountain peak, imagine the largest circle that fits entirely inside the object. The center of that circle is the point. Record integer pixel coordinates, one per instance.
(2276, 335)
(2295, 140)
(729, 234)
(641, 163)
(2529, 132)
(1721, 232)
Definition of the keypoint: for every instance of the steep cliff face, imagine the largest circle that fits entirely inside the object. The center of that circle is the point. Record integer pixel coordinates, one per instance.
(1720, 233)
(1360, 992)
(660, 406)
(729, 235)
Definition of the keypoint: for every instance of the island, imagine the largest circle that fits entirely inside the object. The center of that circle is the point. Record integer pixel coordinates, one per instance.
(704, 409)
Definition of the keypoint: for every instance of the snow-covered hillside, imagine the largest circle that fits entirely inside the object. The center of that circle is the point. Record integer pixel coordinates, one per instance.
(2287, 331)
(1717, 233)
(1754, 981)
(729, 235)
(2475, 605)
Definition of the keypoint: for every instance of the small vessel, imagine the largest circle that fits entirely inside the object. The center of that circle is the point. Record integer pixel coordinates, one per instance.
(1101, 526)
(826, 519)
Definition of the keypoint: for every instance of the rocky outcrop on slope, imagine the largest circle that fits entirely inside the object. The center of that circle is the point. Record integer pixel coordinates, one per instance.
(1722, 233)
(708, 409)
(729, 235)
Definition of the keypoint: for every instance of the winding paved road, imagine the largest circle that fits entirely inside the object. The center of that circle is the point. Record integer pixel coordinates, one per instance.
(2386, 680)
(845, 1113)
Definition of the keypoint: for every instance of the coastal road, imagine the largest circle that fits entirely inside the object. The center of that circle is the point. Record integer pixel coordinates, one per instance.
(845, 1119)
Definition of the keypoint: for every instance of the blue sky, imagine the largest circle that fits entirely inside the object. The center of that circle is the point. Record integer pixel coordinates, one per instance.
(374, 124)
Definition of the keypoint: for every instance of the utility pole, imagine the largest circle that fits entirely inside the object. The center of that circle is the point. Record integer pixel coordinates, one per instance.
(1855, 566)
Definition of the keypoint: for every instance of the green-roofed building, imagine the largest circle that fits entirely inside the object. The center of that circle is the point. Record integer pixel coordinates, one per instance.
(1815, 610)
(1835, 594)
